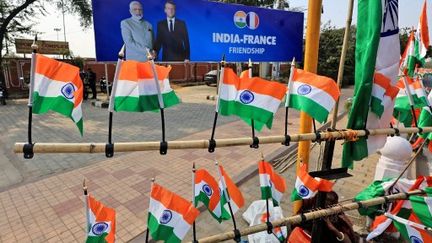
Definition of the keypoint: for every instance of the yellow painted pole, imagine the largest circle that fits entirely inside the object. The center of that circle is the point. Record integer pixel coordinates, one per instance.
(310, 65)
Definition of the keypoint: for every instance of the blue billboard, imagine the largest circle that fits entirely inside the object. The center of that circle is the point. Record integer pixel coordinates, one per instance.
(196, 30)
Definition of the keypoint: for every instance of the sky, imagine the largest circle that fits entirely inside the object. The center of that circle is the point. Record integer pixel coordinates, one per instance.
(81, 42)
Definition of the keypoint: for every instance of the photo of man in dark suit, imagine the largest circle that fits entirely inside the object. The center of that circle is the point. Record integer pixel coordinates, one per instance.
(172, 36)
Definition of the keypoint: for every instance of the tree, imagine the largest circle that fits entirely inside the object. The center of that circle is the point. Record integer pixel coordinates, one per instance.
(331, 41)
(18, 16)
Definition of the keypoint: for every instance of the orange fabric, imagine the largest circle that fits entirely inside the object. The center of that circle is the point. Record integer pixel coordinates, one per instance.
(103, 213)
(307, 180)
(204, 175)
(175, 203)
(381, 80)
(299, 236)
(424, 30)
(321, 82)
(137, 71)
(277, 180)
(233, 191)
(256, 85)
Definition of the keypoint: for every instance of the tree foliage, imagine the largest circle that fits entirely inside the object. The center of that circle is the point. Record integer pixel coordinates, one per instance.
(331, 41)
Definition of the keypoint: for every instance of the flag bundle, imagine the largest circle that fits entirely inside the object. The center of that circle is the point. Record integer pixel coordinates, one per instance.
(136, 90)
(250, 98)
(410, 229)
(401, 208)
(170, 216)
(307, 186)
(377, 51)
(101, 222)
(316, 95)
(272, 184)
(207, 191)
(57, 87)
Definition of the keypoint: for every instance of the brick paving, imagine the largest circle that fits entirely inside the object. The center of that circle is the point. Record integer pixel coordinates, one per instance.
(51, 208)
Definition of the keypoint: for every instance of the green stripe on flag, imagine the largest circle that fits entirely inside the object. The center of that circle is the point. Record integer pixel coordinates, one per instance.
(376, 106)
(425, 120)
(97, 239)
(59, 104)
(227, 108)
(202, 197)
(369, 20)
(372, 191)
(421, 209)
(295, 196)
(315, 110)
(402, 229)
(144, 102)
(160, 231)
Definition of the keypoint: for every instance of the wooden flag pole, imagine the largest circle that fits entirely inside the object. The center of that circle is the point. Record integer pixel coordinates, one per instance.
(329, 145)
(298, 219)
(163, 144)
(147, 230)
(110, 146)
(193, 202)
(212, 142)
(28, 148)
(310, 65)
(204, 144)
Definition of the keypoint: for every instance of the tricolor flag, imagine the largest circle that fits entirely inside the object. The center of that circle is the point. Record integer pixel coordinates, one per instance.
(422, 207)
(307, 186)
(401, 208)
(250, 98)
(230, 192)
(316, 95)
(383, 94)
(58, 87)
(425, 120)
(170, 216)
(422, 35)
(411, 230)
(417, 92)
(252, 20)
(137, 91)
(377, 50)
(272, 184)
(207, 192)
(101, 225)
(240, 19)
(408, 58)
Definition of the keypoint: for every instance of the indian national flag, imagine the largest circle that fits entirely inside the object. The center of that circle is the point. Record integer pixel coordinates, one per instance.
(401, 208)
(377, 51)
(58, 87)
(417, 92)
(230, 191)
(422, 35)
(250, 98)
(101, 225)
(408, 59)
(272, 185)
(411, 230)
(316, 95)
(207, 191)
(137, 91)
(422, 207)
(383, 94)
(170, 216)
(307, 186)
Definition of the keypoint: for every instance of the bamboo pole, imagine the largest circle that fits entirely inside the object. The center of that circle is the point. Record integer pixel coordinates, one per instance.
(204, 144)
(297, 219)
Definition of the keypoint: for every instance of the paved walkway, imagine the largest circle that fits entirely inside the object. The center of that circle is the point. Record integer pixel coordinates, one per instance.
(52, 209)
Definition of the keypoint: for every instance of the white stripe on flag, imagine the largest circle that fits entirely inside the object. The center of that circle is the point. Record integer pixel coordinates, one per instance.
(378, 91)
(143, 87)
(50, 88)
(265, 181)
